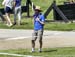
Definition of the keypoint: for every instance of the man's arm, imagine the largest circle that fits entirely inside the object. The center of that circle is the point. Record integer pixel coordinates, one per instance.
(14, 3)
(42, 21)
(3, 3)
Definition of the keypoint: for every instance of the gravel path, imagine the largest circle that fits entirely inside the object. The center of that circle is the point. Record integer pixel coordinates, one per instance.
(14, 39)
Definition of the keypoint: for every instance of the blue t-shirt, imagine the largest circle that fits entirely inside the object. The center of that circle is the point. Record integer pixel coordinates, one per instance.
(37, 24)
(18, 3)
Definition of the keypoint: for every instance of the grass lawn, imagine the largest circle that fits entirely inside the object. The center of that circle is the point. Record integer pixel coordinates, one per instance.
(28, 24)
(48, 52)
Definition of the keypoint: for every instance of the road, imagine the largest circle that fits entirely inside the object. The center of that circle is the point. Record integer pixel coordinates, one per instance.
(14, 39)
(13, 33)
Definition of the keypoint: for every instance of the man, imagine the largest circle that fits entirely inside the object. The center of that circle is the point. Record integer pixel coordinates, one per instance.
(39, 22)
(8, 8)
(17, 11)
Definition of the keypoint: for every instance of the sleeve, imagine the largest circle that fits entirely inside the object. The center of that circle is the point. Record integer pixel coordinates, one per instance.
(42, 18)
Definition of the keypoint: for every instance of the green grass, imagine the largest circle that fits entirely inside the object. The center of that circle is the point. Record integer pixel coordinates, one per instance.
(7, 56)
(48, 52)
(60, 26)
(28, 24)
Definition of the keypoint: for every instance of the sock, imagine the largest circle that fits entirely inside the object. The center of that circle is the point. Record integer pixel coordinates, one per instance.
(33, 49)
(40, 49)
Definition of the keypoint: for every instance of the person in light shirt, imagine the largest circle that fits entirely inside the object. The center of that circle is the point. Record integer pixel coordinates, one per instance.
(8, 8)
(17, 11)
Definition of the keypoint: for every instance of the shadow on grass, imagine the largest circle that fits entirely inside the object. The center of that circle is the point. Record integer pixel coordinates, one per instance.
(26, 23)
(27, 17)
(50, 51)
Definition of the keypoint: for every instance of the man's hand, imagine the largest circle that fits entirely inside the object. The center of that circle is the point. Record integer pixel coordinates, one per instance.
(37, 19)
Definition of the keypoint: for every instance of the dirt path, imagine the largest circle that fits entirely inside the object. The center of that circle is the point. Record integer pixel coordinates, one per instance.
(49, 42)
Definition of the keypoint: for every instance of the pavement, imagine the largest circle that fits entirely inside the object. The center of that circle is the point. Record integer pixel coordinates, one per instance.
(15, 39)
(13, 33)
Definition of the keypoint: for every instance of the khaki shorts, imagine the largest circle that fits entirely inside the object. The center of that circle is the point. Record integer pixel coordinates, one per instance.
(37, 34)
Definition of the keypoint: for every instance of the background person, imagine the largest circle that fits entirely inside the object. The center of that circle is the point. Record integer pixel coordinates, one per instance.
(17, 11)
(39, 21)
(8, 8)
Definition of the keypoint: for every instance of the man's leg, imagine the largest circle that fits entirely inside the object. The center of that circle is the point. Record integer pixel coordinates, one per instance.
(8, 19)
(40, 42)
(40, 34)
(8, 10)
(33, 45)
(33, 40)
(19, 15)
(15, 15)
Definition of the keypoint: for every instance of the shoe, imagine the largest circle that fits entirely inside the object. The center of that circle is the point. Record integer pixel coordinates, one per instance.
(40, 50)
(33, 50)
(10, 25)
(14, 24)
(7, 25)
